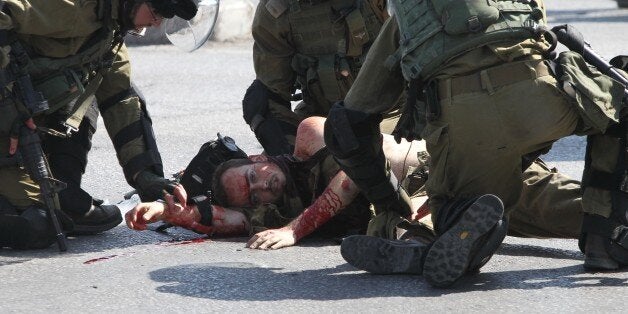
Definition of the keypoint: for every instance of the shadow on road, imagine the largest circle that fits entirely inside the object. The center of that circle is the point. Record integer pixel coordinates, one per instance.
(119, 237)
(538, 251)
(251, 282)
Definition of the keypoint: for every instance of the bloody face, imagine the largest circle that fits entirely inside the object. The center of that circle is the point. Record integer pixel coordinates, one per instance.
(253, 184)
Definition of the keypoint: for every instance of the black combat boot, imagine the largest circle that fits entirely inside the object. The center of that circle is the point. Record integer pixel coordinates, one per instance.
(98, 219)
(595, 255)
(470, 232)
(604, 242)
(381, 256)
(403, 255)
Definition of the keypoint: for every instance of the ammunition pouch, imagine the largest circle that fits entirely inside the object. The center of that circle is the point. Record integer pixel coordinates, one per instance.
(61, 89)
(332, 40)
(464, 17)
(318, 81)
(433, 32)
(198, 175)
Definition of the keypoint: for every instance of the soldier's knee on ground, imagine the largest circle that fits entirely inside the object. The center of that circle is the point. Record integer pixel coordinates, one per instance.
(30, 230)
(41, 232)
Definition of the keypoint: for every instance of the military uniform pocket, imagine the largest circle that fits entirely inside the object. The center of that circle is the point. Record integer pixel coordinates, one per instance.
(596, 96)
(61, 89)
(433, 133)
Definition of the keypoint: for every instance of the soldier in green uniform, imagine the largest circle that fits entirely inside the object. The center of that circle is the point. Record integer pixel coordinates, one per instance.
(490, 99)
(315, 46)
(75, 55)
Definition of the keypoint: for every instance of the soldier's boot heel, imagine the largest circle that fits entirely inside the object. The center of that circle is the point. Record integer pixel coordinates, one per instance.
(596, 257)
(381, 256)
(453, 253)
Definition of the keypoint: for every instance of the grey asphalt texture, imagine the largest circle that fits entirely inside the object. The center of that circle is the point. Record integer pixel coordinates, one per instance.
(191, 98)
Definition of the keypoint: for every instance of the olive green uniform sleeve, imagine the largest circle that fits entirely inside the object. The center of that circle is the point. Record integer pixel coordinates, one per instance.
(379, 84)
(125, 118)
(273, 51)
(43, 24)
(272, 57)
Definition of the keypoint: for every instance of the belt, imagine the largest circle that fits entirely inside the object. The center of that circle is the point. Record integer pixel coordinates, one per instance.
(492, 78)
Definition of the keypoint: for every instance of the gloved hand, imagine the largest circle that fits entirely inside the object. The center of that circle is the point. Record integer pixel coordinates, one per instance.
(399, 202)
(410, 124)
(151, 187)
(12, 119)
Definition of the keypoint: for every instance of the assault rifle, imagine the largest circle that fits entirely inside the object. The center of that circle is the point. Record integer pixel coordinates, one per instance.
(30, 153)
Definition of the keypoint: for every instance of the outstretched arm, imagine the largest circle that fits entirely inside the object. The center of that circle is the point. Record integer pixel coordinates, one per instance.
(339, 193)
(224, 222)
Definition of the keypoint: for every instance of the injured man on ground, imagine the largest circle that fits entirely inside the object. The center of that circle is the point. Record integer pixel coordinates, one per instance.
(279, 200)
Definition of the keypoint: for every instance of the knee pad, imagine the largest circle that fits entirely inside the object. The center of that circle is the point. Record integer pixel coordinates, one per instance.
(350, 132)
(14, 232)
(30, 230)
(41, 231)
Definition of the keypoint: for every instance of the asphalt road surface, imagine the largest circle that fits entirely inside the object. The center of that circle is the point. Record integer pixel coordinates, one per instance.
(194, 96)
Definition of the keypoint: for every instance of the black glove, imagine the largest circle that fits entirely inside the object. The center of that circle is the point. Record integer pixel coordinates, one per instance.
(409, 126)
(151, 187)
(255, 103)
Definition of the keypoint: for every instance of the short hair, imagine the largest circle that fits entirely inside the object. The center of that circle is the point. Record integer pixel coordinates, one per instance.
(219, 196)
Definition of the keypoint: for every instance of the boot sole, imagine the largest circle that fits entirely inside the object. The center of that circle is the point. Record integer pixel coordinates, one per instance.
(448, 258)
(379, 256)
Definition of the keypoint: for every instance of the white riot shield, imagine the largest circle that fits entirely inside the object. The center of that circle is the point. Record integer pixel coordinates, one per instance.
(192, 34)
